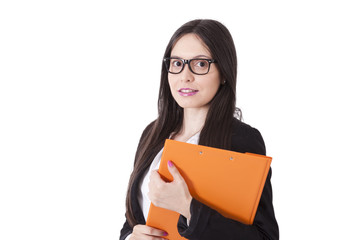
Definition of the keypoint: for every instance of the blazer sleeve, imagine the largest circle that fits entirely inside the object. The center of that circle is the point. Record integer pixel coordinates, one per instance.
(125, 231)
(207, 224)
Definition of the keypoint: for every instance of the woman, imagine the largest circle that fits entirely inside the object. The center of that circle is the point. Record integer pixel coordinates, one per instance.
(196, 105)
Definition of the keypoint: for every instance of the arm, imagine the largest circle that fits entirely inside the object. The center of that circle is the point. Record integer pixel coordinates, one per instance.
(206, 223)
(125, 231)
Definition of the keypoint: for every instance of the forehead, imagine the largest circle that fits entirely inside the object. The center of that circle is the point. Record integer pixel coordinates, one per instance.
(190, 46)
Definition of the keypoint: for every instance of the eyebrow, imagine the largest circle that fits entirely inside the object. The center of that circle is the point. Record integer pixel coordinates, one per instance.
(197, 56)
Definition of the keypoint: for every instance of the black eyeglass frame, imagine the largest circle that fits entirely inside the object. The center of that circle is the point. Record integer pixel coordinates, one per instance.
(187, 61)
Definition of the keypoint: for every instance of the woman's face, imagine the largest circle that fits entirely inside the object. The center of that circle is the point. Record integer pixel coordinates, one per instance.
(188, 89)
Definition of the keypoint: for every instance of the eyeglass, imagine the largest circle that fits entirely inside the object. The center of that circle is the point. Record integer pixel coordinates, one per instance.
(199, 66)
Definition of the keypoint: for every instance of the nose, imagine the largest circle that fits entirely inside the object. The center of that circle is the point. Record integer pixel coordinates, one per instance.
(186, 74)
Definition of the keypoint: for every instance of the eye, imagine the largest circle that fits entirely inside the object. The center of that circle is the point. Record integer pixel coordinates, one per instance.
(200, 63)
(176, 63)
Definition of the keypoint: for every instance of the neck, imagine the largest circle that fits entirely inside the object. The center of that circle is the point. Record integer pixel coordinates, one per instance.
(194, 120)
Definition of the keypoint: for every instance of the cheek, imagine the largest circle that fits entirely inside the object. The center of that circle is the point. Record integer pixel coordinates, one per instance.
(170, 80)
(214, 86)
(172, 84)
(214, 90)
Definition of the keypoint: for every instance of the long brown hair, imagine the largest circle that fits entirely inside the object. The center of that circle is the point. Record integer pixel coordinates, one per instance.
(216, 131)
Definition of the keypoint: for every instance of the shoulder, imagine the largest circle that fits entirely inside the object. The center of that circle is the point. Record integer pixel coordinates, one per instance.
(246, 138)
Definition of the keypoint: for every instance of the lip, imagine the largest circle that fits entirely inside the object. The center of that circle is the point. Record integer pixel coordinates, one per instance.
(186, 92)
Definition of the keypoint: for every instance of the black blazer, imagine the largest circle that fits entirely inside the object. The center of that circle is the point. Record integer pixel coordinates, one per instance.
(208, 224)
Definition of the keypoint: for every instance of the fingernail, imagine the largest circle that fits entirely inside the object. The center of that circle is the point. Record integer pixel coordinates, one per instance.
(165, 234)
(170, 163)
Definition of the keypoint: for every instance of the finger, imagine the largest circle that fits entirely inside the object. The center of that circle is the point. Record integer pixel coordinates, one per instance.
(155, 176)
(144, 229)
(155, 185)
(155, 180)
(174, 171)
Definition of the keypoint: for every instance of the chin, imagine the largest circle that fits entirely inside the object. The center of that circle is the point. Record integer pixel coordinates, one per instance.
(193, 102)
(192, 105)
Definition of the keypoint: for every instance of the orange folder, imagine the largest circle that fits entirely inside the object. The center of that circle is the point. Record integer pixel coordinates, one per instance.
(229, 182)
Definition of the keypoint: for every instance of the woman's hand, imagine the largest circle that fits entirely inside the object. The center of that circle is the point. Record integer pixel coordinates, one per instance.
(174, 196)
(143, 232)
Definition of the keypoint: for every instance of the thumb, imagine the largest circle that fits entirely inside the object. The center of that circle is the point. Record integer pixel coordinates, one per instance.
(174, 171)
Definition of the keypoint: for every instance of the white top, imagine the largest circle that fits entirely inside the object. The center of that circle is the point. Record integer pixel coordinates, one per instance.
(143, 198)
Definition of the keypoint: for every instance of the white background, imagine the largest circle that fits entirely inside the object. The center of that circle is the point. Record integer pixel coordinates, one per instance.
(79, 82)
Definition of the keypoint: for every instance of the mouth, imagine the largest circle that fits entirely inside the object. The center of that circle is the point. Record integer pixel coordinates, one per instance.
(187, 92)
